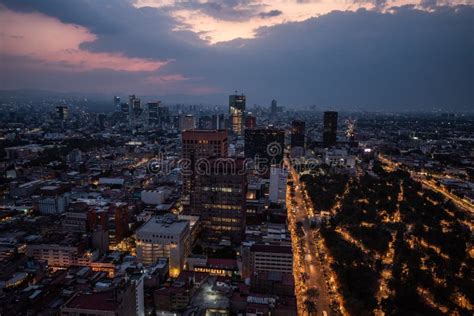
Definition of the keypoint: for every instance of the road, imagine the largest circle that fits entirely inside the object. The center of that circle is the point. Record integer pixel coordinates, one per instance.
(309, 270)
(467, 207)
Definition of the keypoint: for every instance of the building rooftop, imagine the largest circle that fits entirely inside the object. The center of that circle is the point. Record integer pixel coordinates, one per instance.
(100, 301)
(163, 224)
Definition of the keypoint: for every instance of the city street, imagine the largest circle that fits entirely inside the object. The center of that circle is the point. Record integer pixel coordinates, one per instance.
(308, 265)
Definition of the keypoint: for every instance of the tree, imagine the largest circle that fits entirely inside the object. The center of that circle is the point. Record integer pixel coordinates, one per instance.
(312, 293)
(310, 307)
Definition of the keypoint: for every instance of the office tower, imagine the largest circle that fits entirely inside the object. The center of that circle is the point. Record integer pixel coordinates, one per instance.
(298, 134)
(330, 129)
(164, 237)
(204, 144)
(134, 109)
(273, 108)
(62, 112)
(278, 177)
(187, 122)
(124, 108)
(200, 144)
(218, 121)
(117, 103)
(153, 113)
(205, 122)
(219, 197)
(266, 145)
(250, 121)
(237, 112)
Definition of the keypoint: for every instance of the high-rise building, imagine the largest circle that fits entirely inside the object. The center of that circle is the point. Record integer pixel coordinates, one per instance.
(273, 108)
(62, 112)
(153, 113)
(200, 144)
(330, 129)
(277, 189)
(124, 108)
(134, 109)
(250, 121)
(204, 144)
(265, 144)
(219, 197)
(187, 122)
(237, 113)
(298, 134)
(218, 121)
(117, 103)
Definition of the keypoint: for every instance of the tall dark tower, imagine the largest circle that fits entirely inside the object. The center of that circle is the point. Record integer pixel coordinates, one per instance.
(273, 108)
(297, 134)
(237, 111)
(330, 129)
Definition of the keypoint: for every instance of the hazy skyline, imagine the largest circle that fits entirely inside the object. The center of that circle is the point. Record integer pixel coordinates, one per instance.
(391, 54)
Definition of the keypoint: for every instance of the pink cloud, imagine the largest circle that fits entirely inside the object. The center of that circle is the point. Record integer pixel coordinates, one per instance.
(47, 42)
(163, 79)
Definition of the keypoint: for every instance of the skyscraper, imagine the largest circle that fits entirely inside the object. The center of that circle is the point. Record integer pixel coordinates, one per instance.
(218, 121)
(219, 197)
(200, 144)
(273, 108)
(62, 112)
(153, 113)
(134, 108)
(298, 134)
(117, 103)
(266, 144)
(277, 190)
(187, 122)
(237, 111)
(330, 129)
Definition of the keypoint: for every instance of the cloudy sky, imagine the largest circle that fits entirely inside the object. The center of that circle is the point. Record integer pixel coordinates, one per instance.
(363, 53)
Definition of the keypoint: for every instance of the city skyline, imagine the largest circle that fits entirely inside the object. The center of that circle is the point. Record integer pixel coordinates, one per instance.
(394, 55)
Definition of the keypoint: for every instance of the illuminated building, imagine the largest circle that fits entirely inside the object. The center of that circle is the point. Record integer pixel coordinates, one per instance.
(274, 257)
(237, 113)
(201, 144)
(117, 103)
(219, 197)
(266, 145)
(164, 237)
(62, 112)
(330, 129)
(187, 122)
(278, 185)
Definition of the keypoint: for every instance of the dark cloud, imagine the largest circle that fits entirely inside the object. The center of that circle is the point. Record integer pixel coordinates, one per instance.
(404, 59)
(270, 14)
(227, 10)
